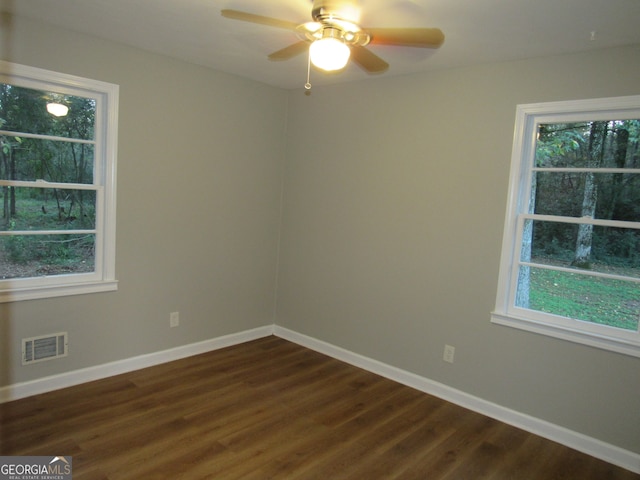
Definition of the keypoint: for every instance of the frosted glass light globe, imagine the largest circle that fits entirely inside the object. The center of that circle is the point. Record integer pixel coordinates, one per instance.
(329, 54)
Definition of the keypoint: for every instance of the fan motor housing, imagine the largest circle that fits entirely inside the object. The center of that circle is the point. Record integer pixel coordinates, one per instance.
(324, 9)
(332, 14)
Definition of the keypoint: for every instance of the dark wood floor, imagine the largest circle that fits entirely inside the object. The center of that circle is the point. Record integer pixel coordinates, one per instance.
(272, 409)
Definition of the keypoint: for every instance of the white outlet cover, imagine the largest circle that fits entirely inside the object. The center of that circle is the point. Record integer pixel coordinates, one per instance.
(449, 353)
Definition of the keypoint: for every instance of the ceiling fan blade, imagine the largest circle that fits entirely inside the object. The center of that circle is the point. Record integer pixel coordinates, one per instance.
(368, 60)
(408, 37)
(291, 51)
(250, 17)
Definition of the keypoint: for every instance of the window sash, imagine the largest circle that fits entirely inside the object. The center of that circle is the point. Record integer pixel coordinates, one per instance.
(565, 323)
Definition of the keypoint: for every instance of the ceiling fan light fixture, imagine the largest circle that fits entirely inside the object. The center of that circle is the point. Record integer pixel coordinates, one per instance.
(335, 36)
(330, 52)
(57, 109)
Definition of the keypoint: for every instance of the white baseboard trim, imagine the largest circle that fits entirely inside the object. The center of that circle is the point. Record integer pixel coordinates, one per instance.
(76, 377)
(591, 446)
(583, 443)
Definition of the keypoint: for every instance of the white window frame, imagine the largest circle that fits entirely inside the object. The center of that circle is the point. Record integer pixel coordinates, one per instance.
(528, 119)
(103, 278)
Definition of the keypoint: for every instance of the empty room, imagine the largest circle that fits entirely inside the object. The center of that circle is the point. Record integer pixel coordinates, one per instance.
(224, 257)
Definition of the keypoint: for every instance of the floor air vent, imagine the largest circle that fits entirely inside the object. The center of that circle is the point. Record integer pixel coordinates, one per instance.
(46, 347)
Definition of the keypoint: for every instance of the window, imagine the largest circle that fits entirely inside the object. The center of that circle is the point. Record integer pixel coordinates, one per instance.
(58, 137)
(570, 265)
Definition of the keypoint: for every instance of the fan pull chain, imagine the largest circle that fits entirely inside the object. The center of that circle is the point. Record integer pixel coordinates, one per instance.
(307, 85)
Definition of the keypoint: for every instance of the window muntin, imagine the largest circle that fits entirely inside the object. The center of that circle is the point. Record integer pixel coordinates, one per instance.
(571, 253)
(57, 184)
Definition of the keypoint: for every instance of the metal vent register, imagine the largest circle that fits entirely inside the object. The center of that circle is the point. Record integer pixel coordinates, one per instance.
(45, 347)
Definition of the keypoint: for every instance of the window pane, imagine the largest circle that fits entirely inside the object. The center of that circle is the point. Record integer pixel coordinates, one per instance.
(603, 249)
(54, 161)
(597, 144)
(581, 297)
(28, 256)
(48, 209)
(614, 196)
(25, 110)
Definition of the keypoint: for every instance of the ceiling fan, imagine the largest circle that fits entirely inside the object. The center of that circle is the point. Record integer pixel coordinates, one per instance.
(335, 36)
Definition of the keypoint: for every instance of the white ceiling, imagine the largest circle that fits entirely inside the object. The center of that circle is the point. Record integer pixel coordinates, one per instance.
(476, 31)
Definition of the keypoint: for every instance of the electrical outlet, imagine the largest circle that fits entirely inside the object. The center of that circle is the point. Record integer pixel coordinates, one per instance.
(174, 319)
(449, 353)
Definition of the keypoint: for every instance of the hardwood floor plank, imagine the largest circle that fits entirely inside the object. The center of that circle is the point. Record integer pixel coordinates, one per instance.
(270, 409)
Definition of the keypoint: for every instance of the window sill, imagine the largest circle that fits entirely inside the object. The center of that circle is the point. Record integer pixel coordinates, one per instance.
(563, 333)
(61, 290)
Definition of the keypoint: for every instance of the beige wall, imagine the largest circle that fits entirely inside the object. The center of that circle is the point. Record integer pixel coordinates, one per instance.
(395, 192)
(199, 186)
